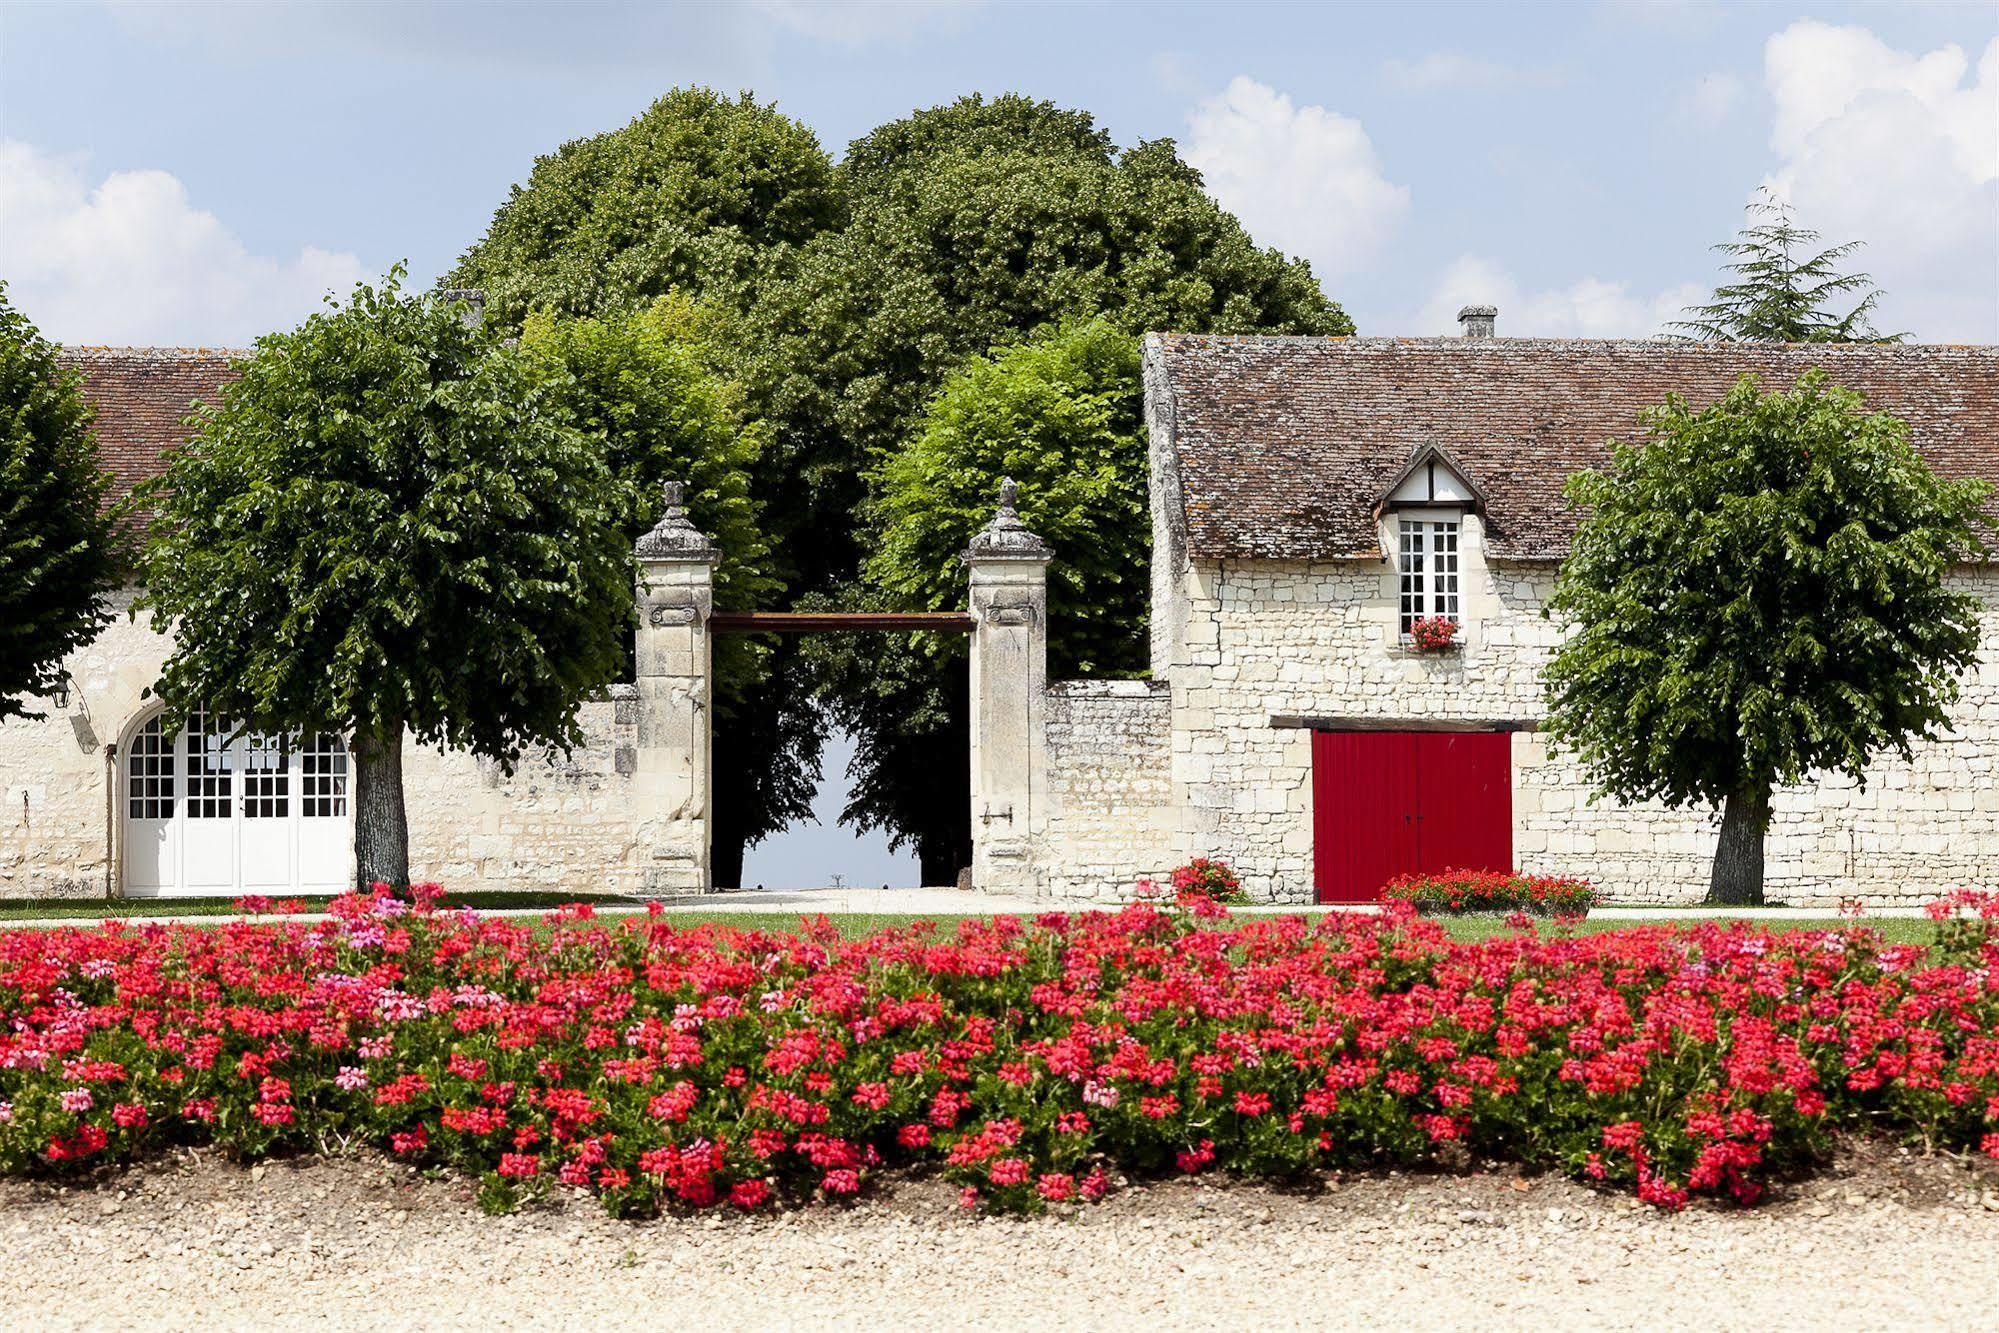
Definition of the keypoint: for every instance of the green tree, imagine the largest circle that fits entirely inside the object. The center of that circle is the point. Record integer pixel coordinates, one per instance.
(707, 196)
(1757, 593)
(1781, 294)
(651, 387)
(388, 523)
(844, 307)
(59, 552)
(646, 385)
(974, 225)
(694, 194)
(1061, 414)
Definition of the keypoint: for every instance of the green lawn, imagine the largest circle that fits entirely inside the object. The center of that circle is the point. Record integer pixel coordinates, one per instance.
(19, 909)
(1899, 930)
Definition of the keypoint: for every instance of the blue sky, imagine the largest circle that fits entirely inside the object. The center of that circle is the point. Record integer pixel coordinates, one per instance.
(199, 173)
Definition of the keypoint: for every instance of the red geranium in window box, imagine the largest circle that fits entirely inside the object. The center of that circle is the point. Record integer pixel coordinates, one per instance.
(1434, 634)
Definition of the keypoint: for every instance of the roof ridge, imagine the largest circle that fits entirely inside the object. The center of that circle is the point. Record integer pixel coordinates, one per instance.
(96, 350)
(1500, 342)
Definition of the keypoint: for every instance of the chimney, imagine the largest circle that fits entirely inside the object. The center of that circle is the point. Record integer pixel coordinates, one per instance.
(1477, 320)
(474, 301)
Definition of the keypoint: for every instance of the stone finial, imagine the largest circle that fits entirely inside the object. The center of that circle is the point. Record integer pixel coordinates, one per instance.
(675, 537)
(1006, 537)
(1477, 320)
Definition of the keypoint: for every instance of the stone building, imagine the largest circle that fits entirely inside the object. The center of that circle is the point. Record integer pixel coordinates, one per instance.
(1312, 500)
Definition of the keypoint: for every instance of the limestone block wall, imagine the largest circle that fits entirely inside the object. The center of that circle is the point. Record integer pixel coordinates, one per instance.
(558, 824)
(1267, 639)
(1110, 817)
(53, 807)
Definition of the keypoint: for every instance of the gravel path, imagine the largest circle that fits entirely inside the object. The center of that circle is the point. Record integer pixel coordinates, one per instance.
(1882, 1240)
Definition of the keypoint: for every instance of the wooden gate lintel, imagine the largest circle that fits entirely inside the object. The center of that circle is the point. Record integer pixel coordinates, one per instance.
(825, 622)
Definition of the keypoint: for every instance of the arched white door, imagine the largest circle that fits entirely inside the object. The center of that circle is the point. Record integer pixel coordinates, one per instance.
(209, 815)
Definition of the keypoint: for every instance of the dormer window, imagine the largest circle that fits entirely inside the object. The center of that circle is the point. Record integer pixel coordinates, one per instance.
(1428, 567)
(1428, 498)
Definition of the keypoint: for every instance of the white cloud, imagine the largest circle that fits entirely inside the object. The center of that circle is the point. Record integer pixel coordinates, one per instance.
(1900, 150)
(1453, 69)
(130, 260)
(1301, 178)
(1712, 100)
(857, 22)
(1897, 149)
(1587, 308)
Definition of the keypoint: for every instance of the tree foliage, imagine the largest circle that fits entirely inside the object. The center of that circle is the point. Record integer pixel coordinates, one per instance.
(709, 196)
(1758, 592)
(1781, 294)
(974, 225)
(389, 523)
(1061, 414)
(692, 195)
(646, 385)
(939, 237)
(652, 387)
(59, 554)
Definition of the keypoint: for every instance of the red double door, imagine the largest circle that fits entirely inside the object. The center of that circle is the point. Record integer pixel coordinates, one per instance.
(1386, 803)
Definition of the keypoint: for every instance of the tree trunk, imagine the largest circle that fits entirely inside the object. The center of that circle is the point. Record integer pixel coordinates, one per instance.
(1737, 880)
(725, 859)
(381, 825)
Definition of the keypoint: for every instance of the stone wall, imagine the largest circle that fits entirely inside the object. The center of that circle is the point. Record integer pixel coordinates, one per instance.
(1109, 815)
(53, 806)
(558, 824)
(1268, 639)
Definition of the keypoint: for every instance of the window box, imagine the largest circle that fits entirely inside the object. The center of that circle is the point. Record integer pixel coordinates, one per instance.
(1434, 634)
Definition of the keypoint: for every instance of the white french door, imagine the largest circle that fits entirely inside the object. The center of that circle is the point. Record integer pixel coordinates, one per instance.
(208, 814)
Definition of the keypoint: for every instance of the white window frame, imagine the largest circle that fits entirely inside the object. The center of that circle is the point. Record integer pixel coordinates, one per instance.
(1429, 566)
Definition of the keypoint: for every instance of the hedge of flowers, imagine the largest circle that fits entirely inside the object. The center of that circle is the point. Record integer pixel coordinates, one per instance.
(1493, 891)
(1203, 877)
(1029, 1061)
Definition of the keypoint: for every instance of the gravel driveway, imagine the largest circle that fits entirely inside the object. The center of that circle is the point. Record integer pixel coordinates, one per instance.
(1884, 1239)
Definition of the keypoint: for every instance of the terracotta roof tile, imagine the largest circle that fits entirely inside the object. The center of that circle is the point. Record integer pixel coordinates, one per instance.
(1285, 443)
(142, 396)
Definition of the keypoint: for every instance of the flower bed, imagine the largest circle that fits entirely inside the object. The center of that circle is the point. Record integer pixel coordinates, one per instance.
(1456, 891)
(1205, 877)
(1029, 1061)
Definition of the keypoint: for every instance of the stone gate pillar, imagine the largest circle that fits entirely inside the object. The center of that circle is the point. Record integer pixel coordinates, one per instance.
(1009, 575)
(676, 583)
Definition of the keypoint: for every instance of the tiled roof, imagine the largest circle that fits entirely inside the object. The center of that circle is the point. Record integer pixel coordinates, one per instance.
(142, 396)
(1284, 444)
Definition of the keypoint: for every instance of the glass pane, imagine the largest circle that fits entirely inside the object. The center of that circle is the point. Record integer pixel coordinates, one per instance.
(150, 773)
(210, 781)
(323, 779)
(1412, 589)
(266, 781)
(1445, 577)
